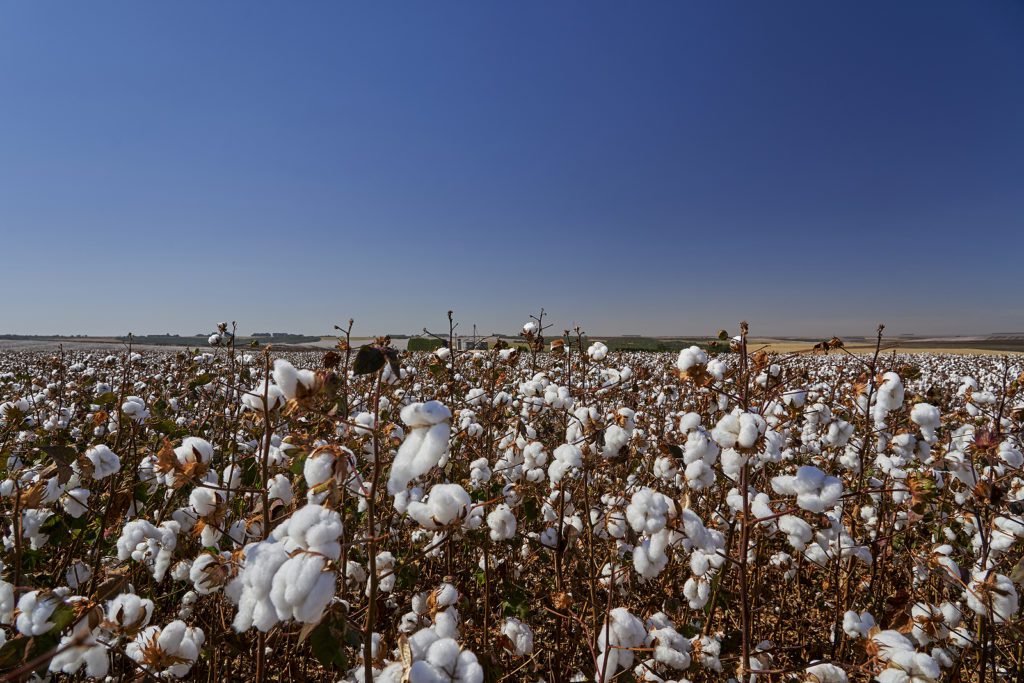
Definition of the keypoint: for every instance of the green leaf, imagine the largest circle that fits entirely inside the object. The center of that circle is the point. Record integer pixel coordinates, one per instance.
(327, 644)
(106, 399)
(369, 359)
(200, 380)
(723, 335)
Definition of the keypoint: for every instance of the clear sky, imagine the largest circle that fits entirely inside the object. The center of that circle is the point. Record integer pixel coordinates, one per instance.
(657, 167)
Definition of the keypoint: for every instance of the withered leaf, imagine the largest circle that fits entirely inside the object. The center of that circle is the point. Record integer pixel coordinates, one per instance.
(369, 359)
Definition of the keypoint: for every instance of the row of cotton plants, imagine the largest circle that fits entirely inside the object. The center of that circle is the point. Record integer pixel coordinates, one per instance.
(553, 512)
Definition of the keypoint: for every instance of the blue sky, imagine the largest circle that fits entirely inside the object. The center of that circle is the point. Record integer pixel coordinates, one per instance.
(661, 167)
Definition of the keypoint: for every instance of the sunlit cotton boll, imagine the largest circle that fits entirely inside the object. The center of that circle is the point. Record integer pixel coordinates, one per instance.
(423, 446)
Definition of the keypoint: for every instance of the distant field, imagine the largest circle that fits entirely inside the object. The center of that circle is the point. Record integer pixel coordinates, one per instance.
(981, 347)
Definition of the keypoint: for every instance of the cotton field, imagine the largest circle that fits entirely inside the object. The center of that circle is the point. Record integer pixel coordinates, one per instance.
(556, 512)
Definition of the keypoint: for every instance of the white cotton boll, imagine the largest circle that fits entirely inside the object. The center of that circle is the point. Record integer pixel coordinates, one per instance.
(445, 662)
(670, 648)
(649, 558)
(76, 650)
(479, 472)
(699, 475)
(615, 437)
(739, 431)
(128, 612)
(691, 357)
(648, 511)
(1010, 455)
(988, 588)
(888, 398)
(318, 468)
(313, 528)
(530, 328)
(798, 532)
(194, 449)
(446, 504)
(75, 501)
(616, 641)
(289, 380)
(280, 488)
(104, 461)
(519, 635)
(795, 398)
(665, 468)
(34, 611)
(857, 625)
(178, 642)
(926, 416)
(814, 490)
(502, 523)
(826, 673)
(697, 591)
(203, 576)
(423, 447)
(302, 588)
(253, 585)
(597, 351)
(203, 500)
(253, 398)
(6, 602)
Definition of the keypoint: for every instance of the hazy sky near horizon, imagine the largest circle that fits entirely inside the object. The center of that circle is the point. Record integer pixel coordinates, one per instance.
(662, 168)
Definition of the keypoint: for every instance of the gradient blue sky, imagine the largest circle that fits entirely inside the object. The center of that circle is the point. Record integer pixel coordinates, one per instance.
(659, 167)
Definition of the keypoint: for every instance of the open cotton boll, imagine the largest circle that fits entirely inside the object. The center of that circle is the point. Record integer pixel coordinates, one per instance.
(280, 488)
(194, 449)
(75, 501)
(691, 357)
(815, 491)
(253, 398)
(649, 558)
(169, 651)
(104, 461)
(292, 381)
(993, 595)
(621, 632)
(302, 588)
(313, 528)
(597, 351)
(153, 545)
(739, 430)
(446, 662)
(127, 613)
(888, 398)
(77, 650)
(926, 416)
(798, 532)
(530, 328)
(502, 523)
(520, 636)
(34, 611)
(648, 511)
(203, 500)
(446, 504)
(251, 589)
(858, 625)
(424, 445)
(825, 673)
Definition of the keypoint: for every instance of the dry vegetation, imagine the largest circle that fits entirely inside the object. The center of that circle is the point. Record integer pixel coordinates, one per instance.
(558, 513)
